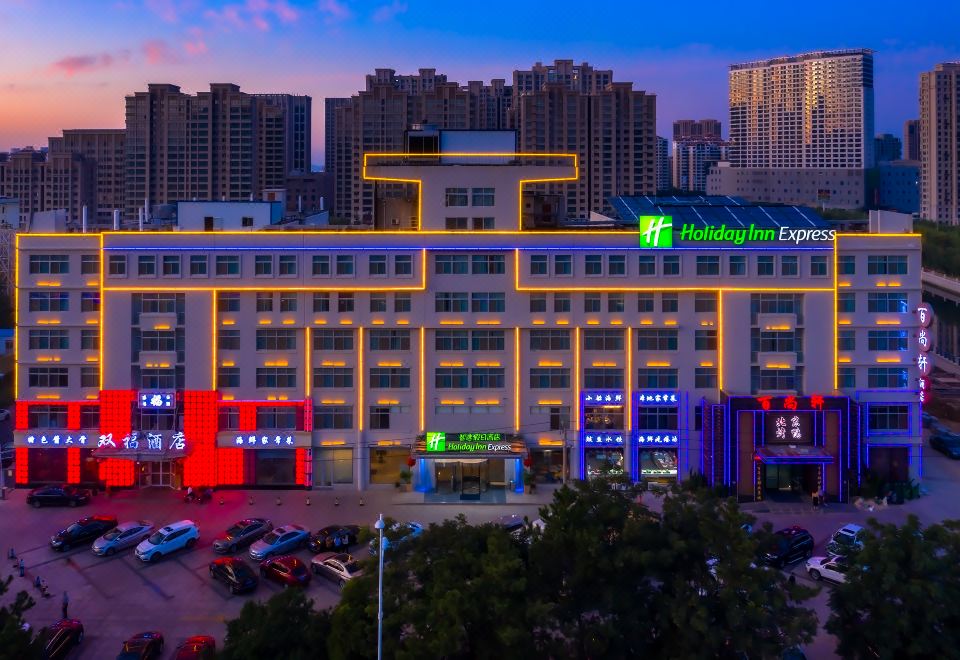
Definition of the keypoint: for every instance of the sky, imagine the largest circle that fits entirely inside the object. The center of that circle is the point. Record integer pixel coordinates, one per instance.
(68, 63)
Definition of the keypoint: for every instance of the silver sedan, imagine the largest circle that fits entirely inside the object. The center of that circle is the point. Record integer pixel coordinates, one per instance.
(123, 536)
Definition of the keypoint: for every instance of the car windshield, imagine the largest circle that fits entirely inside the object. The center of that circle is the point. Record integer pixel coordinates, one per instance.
(352, 567)
(271, 538)
(235, 530)
(74, 528)
(242, 571)
(157, 538)
(112, 534)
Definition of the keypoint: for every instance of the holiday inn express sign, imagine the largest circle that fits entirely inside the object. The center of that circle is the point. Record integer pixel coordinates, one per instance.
(657, 231)
(470, 443)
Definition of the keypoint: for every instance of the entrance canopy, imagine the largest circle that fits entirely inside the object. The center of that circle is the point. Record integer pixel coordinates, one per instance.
(792, 454)
(140, 456)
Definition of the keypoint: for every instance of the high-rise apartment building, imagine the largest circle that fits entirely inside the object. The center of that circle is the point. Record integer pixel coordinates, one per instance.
(886, 147)
(940, 143)
(692, 160)
(696, 128)
(581, 78)
(22, 175)
(664, 164)
(911, 139)
(222, 144)
(104, 150)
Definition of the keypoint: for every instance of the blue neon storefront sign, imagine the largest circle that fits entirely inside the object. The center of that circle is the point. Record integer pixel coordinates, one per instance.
(591, 439)
(657, 439)
(602, 397)
(654, 397)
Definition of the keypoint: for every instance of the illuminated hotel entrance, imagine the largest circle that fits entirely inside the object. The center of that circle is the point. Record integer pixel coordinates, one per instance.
(452, 467)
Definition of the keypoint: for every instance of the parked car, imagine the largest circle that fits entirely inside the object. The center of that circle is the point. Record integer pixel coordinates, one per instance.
(85, 529)
(62, 637)
(235, 573)
(790, 545)
(334, 537)
(512, 523)
(58, 496)
(402, 531)
(125, 535)
(338, 567)
(846, 540)
(173, 537)
(829, 568)
(143, 646)
(947, 444)
(241, 534)
(286, 570)
(198, 647)
(281, 540)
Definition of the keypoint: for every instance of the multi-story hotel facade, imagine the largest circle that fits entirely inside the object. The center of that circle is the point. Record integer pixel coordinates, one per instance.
(470, 350)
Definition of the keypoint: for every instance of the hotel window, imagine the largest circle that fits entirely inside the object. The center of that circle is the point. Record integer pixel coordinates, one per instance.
(377, 265)
(705, 340)
(158, 379)
(656, 378)
(481, 301)
(561, 303)
(538, 264)
(669, 302)
(345, 303)
(598, 418)
(765, 266)
(846, 301)
(656, 339)
(329, 418)
(616, 265)
(562, 264)
(847, 340)
(615, 303)
(229, 418)
(847, 264)
(708, 265)
(380, 416)
(789, 266)
(47, 417)
(598, 378)
(276, 339)
(774, 379)
(89, 264)
(887, 264)
(198, 265)
(591, 302)
(538, 302)
(737, 265)
(49, 264)
(602, 340)
(49, 339)
(644, 302)
(648, 265)
(228, 377)
(402, 302)
(818, 266)
(889, 418)
(117, 265)
(487, 340)
(450, 301)
(593, 264)
(549, 340)
(403, 265)
(90, 301)
(847, 377)
(482, 196)
(483, 224)
(48, 377)
(549, 378)
(457, 197)
(276, 377)
(49, 301)
(488, 264)
(333, 340)
(450, 264)
(228, 302)
(705, 377)
(378, 302)
(227, 265)
(887, 302)
(264, 302)
(320, 265)
(287, 265)
(89, 339)
(389, 340)
(288, 302)
(658, 418)
(89, 417)
(159, 303)
(887, 377)
(146, 265)
(263, 264)
(277, 418)
(887, 340)
(321, 302)
(158, 340)
(333, 378)
(775, 342)
(456, 224)
(229, 340)
(671, 264)
(157, 420)
(344, 265)
(705, 302)
(389, 378)
(170, 265)
(451, 340)
(486, 378)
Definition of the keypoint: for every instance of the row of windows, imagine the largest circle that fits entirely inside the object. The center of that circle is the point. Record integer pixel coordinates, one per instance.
(321, 302)
(59, 339)
(479, 301)
(265, 265)
(890, 302)
(616, 302)
(469, 197)
(877, 340)
(476, 264)
(615, 265)
(59, 301)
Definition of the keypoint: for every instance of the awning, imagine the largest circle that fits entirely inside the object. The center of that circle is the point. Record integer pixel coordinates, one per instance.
(800, 454)
(467, 458)
(139, 456)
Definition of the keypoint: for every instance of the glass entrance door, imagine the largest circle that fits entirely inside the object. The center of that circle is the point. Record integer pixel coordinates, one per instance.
(156, 473)
(472, 479)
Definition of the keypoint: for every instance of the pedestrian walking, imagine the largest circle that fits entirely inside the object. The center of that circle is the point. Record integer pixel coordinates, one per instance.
(815, 497)
(66, 604)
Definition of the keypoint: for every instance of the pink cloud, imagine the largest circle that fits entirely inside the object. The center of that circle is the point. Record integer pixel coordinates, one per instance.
(195, 44)
(77, 64)
(158, 52)
(389, 12)
(167, 10)
(257, 14)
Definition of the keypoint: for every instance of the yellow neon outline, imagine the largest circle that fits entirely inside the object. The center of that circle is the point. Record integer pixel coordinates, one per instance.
(516, 379)
(214, 338)
(836, 323)
(629, 393)
(422, 376)
(103, 305)
(308, 349)
(16, 319)
(576, 377)
(720, 341)
(360, 382)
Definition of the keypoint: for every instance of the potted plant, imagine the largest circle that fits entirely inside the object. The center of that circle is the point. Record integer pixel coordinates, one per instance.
(404, 483)
(529, 482)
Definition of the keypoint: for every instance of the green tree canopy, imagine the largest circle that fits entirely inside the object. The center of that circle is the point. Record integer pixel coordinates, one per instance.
(15, 641)
(286, 626)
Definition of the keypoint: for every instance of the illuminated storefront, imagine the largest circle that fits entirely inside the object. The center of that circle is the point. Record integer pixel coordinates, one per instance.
(468, 466)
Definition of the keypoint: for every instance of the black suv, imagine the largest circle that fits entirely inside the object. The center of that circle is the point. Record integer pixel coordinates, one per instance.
(235, 573)
(85, 529)
(790, 545)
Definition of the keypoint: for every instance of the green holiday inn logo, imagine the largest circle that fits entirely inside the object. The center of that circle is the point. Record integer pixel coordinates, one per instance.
(656, 231)
(436, 441)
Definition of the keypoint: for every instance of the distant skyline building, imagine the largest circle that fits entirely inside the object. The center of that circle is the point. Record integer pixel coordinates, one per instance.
(911, 139)
(696, 128)
(692, 160)
(103, 149)
(887, 146)
(664, 164)
(899, 188)
(939, 143)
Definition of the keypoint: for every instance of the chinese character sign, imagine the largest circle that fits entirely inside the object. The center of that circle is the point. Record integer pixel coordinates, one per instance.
(602, 397)
(657, 398)
(157, 400)
(788, 427)
(54, 439)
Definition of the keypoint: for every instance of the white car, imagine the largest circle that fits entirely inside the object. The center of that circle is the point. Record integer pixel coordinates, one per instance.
(337, 567)
(828, 568)
(173, 537)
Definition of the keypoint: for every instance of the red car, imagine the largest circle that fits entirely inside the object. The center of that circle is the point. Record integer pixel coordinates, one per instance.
(286, 570)
(198, 647)
(61, 638)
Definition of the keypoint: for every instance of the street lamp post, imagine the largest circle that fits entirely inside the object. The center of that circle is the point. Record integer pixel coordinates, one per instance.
(379, 527)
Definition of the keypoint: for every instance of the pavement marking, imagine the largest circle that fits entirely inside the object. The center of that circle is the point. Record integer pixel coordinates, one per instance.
(153, 586)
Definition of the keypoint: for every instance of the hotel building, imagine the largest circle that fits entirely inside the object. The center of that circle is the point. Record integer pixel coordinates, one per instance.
(471, 349)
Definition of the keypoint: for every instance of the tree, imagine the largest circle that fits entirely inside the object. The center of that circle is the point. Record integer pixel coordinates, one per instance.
(901, 598)
(15, 641)
(286, 626)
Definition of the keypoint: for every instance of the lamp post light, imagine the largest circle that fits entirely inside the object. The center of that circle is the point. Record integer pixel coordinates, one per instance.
(379, 527)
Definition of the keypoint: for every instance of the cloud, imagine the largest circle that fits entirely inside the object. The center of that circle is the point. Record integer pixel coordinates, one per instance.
(256, 14)
(195, 43)
(335, 10)
(168, 10)
(157, 51)
(76, 64)
(389, 12)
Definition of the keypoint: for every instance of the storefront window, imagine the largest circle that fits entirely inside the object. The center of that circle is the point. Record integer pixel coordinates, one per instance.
(603, 418)
(658, 464)
(604, 462)
(333, 466)
(275, 467)
(386, 464)
(547, 465)
(48, 465)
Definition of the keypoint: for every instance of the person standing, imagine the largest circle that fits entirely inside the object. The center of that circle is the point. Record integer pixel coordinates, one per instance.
(66, 604)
